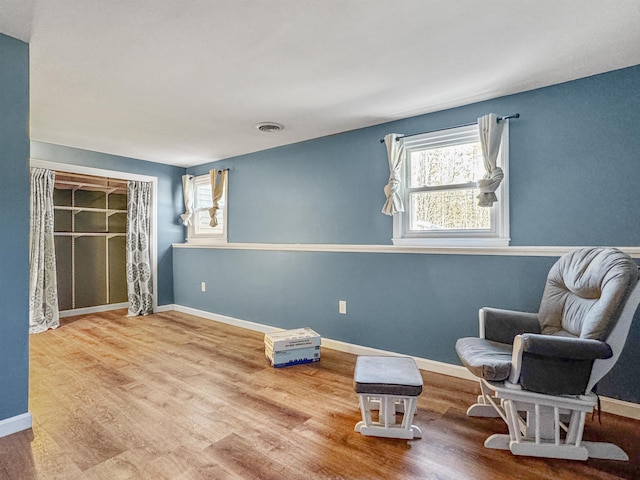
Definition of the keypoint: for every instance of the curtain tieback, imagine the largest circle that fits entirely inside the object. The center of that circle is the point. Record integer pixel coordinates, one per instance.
(212, 214)
(488, 185)
(186, 218)
(392, 187)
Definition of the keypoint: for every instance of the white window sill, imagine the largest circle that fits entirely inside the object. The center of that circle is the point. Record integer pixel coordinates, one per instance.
(452, 242)
(518, 251)
(206, 241)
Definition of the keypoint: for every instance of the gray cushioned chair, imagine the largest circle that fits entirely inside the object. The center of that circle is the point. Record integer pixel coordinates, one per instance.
(538, 370)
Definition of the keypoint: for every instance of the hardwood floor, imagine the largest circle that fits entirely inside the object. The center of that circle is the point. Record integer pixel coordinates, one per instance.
(173, 396)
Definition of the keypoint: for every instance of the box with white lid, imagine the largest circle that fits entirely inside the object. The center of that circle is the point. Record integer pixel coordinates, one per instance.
(291, 339)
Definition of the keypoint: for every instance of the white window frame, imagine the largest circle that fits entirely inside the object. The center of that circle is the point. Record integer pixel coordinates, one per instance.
(496, 236)
(195, 236)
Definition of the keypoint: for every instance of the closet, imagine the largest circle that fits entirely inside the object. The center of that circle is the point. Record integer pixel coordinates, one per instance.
(90, 216)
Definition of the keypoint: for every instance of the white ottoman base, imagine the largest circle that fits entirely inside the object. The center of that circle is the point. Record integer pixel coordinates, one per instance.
(387, 407)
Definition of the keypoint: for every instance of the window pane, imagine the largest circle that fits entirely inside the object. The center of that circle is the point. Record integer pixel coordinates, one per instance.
(448, 210)
(202, 202)
(446, 165)
(204, 198)
(202, 225)
(204, 219)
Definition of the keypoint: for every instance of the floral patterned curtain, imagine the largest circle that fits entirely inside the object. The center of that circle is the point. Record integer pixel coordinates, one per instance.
(138, 256)
(43, 288)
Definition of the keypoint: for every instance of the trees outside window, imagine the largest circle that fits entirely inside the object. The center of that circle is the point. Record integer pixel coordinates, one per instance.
(439, 191)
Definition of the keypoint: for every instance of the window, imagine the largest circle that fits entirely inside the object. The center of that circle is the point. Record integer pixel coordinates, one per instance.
(439, 191)
(200, 229)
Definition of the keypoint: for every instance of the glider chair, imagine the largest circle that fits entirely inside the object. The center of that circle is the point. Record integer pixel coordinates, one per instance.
(538, 371)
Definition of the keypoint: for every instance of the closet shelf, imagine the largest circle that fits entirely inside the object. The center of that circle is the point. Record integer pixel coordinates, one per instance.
(89, 228)
(108, 211)
(82, 182)
(89, 234)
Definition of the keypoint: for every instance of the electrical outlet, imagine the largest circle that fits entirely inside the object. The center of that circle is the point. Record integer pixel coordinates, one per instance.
(342, 307)
(203, 286)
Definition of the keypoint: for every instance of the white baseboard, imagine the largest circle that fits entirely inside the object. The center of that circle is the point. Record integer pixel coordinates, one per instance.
(609, 405)
(15, 424)
(99, 308)
(165, 308)
(620, 407)
(256, 327)
(423, 363)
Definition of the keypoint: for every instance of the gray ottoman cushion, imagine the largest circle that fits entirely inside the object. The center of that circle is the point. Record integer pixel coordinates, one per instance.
(387, 376)
(484, 358)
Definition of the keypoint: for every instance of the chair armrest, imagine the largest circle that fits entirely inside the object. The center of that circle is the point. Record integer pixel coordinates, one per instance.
(554, 365)
(565, 347)
(502, 326)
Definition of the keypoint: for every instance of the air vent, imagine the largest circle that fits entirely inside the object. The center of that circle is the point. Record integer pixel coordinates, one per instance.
(269, 127)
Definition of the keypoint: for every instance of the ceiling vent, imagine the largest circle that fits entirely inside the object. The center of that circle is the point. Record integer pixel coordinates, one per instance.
(269, 127)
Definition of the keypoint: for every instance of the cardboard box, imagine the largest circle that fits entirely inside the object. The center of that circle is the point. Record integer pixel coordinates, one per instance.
(291, 339)
(295, 356)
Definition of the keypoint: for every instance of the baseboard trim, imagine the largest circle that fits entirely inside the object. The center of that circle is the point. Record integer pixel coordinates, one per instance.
(423, 363)
(165, 308)
(88, 310)
(609, 405)
(257, 327)
(620, 407)
(15, 424)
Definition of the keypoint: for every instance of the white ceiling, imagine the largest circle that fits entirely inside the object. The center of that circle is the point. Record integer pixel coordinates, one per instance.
(183, 81)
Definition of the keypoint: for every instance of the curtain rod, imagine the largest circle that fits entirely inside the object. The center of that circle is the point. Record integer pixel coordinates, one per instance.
(506, 117)
(219, 171)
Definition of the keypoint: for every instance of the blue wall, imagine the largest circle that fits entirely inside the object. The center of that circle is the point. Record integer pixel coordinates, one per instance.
(574, 161)
(573, 155)
(170, 203)
(398, 302)
(14, 235)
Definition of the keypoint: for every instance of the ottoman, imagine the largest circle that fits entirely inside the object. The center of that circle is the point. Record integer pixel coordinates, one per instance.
(390, 386)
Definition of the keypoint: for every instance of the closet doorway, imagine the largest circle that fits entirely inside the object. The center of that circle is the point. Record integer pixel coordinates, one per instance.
(90, 218)
(90, 206)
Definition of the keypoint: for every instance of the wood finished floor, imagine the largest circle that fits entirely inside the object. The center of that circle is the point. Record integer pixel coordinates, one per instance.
(173, 396)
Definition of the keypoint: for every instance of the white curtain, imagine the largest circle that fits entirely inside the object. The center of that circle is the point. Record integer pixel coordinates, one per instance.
(188, 193)
(217, 189)
(395, 153)
(43, 289)
(490, 137)
(138, 256)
